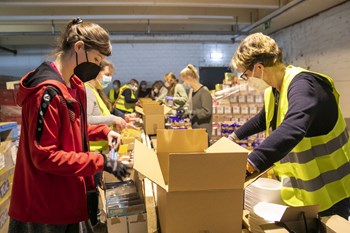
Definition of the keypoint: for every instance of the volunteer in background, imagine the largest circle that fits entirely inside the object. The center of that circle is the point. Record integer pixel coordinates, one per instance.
(98, 105)
(127, 98)
(54, 168)
(98, 112)
(176, 91)
(114, 91)
(159, 91)
(200, 102)
(143, 91)
(309, 142)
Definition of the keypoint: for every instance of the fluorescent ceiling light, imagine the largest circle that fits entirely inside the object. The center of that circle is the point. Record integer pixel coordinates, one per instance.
(216, 55)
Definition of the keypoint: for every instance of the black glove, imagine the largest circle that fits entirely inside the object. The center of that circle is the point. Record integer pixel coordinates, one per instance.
(118, 169)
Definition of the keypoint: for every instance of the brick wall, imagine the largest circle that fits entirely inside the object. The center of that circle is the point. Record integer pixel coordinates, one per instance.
(322, 44)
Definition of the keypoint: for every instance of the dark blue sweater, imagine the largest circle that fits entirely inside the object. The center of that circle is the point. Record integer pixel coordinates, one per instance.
(313, 111)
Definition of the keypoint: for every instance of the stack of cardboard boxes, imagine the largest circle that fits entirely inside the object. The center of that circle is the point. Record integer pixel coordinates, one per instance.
(8, 153)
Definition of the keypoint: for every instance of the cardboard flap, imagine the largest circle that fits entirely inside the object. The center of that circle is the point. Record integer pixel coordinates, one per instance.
(181, 141)
(167, 109)
(295, 213)
(206, 171)
(146, 162)
(226, 145)
(139, 110)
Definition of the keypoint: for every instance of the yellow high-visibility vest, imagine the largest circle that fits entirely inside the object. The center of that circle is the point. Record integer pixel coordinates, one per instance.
(102, 144)
(111, 96)
(121, 104)
(317, 170)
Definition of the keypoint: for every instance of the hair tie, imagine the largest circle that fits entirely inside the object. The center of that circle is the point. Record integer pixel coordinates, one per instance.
(77, 20)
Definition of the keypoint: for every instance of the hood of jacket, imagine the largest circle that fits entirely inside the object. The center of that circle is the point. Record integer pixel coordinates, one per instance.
(44, 75)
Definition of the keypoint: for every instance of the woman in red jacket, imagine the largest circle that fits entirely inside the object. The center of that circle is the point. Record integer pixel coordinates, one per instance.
(54, 168)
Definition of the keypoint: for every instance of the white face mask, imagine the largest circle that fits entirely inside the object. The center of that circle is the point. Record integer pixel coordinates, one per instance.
(186, 86)
(155, 90)
(106, 80)
(257, 83)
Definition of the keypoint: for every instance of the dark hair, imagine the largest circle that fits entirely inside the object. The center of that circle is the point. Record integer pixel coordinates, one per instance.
(93, 36)
(132, 81)
(116, 82)
(157, 84)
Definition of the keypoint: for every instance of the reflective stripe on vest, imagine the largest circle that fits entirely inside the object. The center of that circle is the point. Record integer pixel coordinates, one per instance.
(102, 144)
(121, 104)
(317, 170)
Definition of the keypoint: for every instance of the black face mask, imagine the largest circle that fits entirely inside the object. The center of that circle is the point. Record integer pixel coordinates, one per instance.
(86, 71)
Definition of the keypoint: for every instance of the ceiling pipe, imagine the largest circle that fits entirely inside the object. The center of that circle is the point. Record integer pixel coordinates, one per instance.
(14, 51)
(269, 17)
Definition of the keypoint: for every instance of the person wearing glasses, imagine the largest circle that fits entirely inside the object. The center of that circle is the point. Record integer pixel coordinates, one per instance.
(54, 167)
(307, 138)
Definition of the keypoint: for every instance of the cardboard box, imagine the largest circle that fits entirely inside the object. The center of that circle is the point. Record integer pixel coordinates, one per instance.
(4, 217)
(153, 116)
(134, 223)
(6, 180)
(292, 219)
(128, 224)
(8, 154)
(334, 224)
(199, 189)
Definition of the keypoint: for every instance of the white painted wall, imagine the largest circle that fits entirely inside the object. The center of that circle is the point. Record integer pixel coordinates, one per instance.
(141, 61)
(322, 44)
(151, 61)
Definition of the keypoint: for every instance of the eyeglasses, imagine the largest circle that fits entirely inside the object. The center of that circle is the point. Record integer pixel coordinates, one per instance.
(244, 76)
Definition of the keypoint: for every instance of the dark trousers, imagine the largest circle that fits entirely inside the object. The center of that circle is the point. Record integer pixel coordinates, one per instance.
(341, 208)
(28, 227)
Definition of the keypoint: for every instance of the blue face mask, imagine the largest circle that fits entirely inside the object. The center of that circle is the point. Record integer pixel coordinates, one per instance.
(106, 80)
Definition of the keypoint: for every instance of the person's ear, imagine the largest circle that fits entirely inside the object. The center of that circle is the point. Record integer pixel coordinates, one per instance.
(78, 46)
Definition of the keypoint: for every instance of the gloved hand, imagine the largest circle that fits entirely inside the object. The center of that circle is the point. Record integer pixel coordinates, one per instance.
(117, 168)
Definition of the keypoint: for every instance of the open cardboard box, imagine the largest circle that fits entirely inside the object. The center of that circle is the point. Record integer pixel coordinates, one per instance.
(134, 223)
(200, 189)
(153, 116)
(334, 224)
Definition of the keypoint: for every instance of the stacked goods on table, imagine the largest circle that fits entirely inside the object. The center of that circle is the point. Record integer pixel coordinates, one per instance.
(8, 153)
(179, 120)
(233, 111)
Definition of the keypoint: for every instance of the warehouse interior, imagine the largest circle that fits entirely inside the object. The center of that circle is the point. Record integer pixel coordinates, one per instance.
(151, 38)
(184, 143)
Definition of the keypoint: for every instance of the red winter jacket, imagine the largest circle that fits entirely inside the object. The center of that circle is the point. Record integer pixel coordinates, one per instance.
(54, 168)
